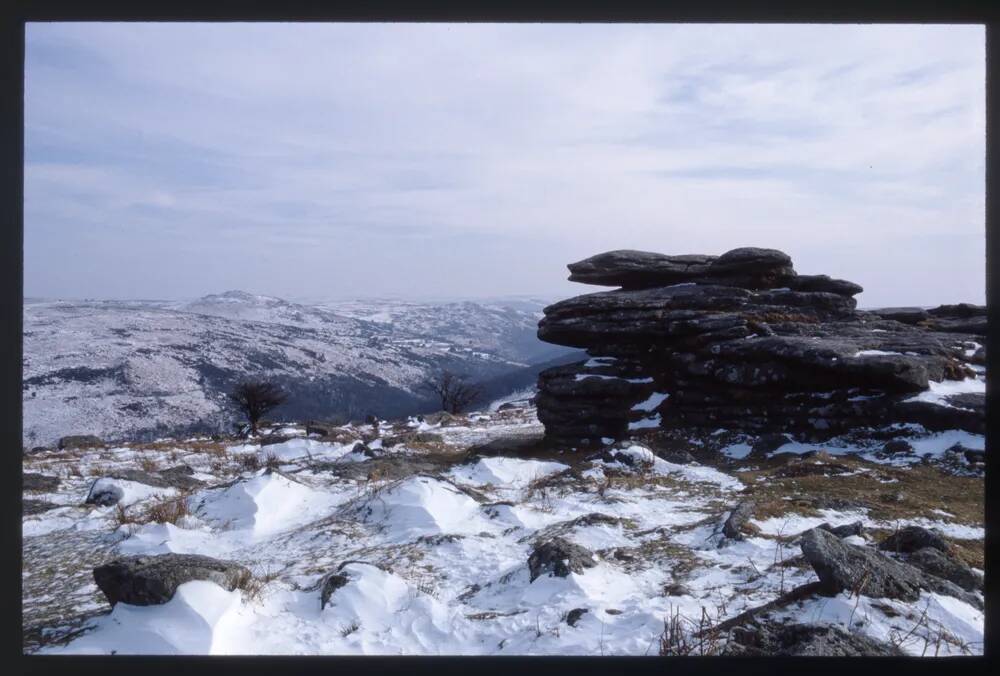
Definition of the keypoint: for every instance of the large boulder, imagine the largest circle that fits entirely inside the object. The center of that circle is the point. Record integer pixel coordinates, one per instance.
(153, 580)
(935, 562)
(843, 567)
(559, 557)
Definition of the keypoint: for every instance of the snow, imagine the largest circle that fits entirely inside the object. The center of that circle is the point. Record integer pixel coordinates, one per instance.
(737, 451)
(423, 505)
(413, 548)
(509, 472)
(299, 449)
(652, 402)
(186, 625)
(263, 505)
(133, 491)
(585, 376)
(937, 392)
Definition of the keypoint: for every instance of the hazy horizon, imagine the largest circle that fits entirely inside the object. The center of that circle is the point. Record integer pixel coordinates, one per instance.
(432, 161)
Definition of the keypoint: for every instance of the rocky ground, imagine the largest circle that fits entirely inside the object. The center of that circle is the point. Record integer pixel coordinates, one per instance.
(468, 535)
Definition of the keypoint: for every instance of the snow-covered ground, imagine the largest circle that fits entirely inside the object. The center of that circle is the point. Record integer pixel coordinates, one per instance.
(435, 544)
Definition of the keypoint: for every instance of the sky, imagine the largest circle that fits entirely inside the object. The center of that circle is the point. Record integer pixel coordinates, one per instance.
(319, 161)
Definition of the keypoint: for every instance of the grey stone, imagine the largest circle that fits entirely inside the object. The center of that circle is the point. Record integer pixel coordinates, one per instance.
(80, 441)
(844, 530)
(939, 564)
(37, 506)
(153, 580)
(766, 639)
(911, 538)
(104, 493)
(40, 483)
(559, 557)
(843, 567)
(733, 526)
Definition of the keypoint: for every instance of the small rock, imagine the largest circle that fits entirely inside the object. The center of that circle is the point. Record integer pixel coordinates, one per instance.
(897, 447)
(737, 520)
(331, 583)
(559, 557)
(845, 530)
(153, 580)
(911, 538)
(29, 507)
(675, 589)
(104, 492)
(320, 428)
(40, 483)
(769, 443)
(80, 441)
(573, 616)
(679, 457)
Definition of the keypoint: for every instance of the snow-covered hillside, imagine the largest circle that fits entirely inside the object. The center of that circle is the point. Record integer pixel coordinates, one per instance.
(134, 369)
(410, 537)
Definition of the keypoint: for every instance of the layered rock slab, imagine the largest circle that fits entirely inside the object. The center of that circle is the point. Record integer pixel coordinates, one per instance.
(742, 341)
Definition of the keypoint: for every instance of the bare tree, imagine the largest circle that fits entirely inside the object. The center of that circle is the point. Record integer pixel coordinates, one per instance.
(455, 392)
(255, 398)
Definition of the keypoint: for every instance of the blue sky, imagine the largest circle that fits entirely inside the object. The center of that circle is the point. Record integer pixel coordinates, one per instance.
(431, 160)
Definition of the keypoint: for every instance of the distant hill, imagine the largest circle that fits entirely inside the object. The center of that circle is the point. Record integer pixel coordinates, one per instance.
(140, 369)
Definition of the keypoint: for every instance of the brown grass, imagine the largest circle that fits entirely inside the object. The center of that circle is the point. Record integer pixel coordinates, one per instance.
(253, 586)
(167, 510)
(148, 464)
(911, 493)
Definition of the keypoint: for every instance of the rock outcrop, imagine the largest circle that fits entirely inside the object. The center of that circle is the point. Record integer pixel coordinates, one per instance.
(742, 341)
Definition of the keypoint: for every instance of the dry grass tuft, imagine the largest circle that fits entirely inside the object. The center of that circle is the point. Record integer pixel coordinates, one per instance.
(167, 510)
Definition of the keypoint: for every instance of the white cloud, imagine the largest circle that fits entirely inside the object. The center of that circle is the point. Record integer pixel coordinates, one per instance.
(560, 140)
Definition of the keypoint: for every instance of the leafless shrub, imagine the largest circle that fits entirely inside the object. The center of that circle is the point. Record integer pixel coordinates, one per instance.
(167, 510)
(349, 629)
(683, 637)
(256, 398)
(253, 586)
(249, 462)
(271, 461)
(455, 393)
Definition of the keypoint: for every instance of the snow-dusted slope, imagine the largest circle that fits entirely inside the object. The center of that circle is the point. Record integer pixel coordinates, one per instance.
(135, 369)
(435, 546)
